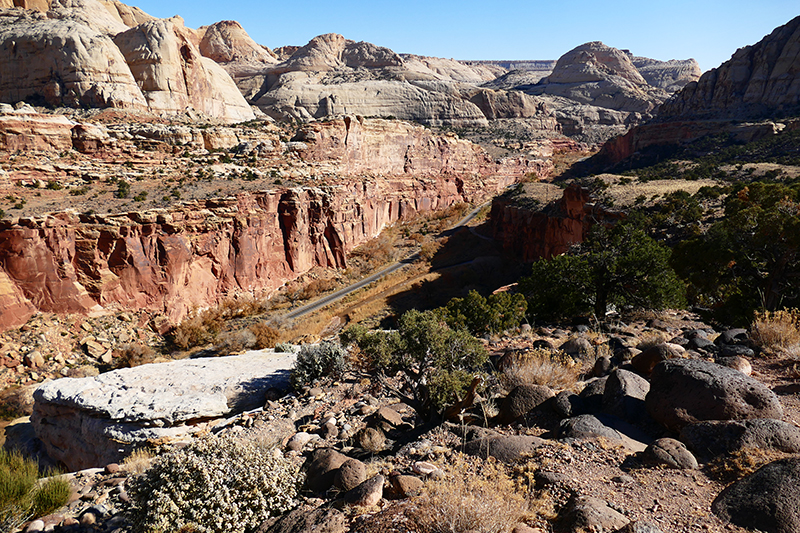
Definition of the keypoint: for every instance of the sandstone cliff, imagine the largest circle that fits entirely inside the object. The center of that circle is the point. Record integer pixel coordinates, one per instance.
(170, 260)
(229, 45)
(759, 81)
(530, 233)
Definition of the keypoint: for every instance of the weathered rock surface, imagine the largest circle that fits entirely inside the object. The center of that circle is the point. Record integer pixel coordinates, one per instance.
(366, 494)
(63, 63)
(758, 82)
(671, 75)
(530, 234)
(503, 448)
(86, 422)
(624, 396)
(521, 400)
(228, 44)
(714, 438)
(80, 53)
(606, 426)
(767, 500)
(303, 520)
(685, 391)
(585, 514)
(173, 75)
(671, 453)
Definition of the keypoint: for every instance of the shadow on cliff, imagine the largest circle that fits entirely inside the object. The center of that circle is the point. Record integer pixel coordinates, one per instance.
(467, 260)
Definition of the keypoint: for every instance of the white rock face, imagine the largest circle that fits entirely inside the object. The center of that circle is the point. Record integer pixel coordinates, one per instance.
(92, 421)
(174, 76)
(231, 47)
(63, 62)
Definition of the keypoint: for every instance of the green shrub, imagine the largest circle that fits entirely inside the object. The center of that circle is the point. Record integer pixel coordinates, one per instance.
(480, 315)
(214, 485)
(434, 363)
(315, 361)
(20, 496)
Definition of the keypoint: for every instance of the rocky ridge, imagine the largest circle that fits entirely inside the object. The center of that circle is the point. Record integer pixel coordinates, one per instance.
(753, 94)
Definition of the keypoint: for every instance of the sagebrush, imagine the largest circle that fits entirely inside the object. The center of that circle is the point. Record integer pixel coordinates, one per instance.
(315, 361)
(214, 485)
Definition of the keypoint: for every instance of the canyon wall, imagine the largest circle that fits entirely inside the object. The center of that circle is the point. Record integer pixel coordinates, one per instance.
(170, 261)
(530, 234)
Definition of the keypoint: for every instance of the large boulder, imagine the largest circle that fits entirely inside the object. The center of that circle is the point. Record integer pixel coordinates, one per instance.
(685, 391)
(94, 421)
(767, 500)
(521, 400)
(714, 438)
(606, 426)
(624, 396)
(506, 448)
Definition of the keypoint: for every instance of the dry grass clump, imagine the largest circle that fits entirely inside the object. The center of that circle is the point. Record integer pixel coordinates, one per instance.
(741, 463)
(138, 461)
(201, 327)
(468, 498)
(650, 339)
(131, 355)
(317, 287)
(266, 335)
(557, 370)
(778, 332)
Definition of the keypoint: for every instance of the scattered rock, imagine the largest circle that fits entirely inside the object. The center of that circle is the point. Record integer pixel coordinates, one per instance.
(406, 486)
(505, 448)
(298, 441)
(586, 515)
(715, 438)
(367, 494)
(350, 474)
(767, 500)
(649, 358)
(671, 453)
(322, 468)
(684, 391)
(624, 396)
(577, 347)
(567, 404)
(321, 520)
(737, 363)
(521, 400)
(371, 439)
(602, 425)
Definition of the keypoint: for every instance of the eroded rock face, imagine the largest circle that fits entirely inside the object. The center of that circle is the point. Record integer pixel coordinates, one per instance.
(174, 76)
(94, 421)
(228, 44)
(756, 81)
(63, 63)
(685, 391)
(531, 234)
(671, 75)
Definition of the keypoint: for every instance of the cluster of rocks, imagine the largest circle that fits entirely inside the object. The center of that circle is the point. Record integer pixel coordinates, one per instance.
(665, 405)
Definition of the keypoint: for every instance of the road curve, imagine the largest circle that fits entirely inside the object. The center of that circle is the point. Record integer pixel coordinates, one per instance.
(341, 293)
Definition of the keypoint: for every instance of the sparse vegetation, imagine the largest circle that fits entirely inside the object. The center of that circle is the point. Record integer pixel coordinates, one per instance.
(778, 332)
(214, 485)
(437, 364)
(468, 501)
(22, 496)
(480, 315)
(557, 370)
(135, 354)
(316, 361)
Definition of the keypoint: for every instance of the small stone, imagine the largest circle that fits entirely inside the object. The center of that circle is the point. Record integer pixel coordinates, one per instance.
(387, 414)
(407, 486)
(298, 441)
(371, 439)
(351, 474)
(35, 526)
(671, 453)
(367, 494)
(34, 359)
(112, 468)
(88, 519)
(424, 468)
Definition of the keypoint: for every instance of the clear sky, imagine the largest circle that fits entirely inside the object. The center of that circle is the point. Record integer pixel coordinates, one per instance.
(707, 30)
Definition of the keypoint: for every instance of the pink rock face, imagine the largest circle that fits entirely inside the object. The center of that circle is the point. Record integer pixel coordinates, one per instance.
(29, 131)
(394, 148)
(196, 255)
(531, 235)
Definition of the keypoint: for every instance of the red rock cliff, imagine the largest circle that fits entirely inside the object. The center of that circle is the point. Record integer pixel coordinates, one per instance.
(171, 260)
(532, 234)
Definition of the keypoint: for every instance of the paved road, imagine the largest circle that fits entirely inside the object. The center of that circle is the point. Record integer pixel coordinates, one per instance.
(341, 293)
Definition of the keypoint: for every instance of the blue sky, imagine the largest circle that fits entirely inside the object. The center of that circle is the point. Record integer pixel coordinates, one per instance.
(708, 30)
